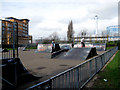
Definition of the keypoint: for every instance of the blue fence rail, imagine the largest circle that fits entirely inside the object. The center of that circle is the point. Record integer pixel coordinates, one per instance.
(77, 76)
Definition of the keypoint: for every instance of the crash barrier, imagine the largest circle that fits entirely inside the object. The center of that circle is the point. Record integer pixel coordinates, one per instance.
(78, 76)
(14, 73)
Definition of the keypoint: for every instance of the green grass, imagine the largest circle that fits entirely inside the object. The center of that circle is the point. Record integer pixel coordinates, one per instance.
(111, 73)
(11, 49)
(31, 47)
(109, 47)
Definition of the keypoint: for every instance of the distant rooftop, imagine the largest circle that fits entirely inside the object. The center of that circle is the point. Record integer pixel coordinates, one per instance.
(16, 18)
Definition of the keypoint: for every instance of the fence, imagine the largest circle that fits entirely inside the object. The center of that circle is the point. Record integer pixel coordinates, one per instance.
(77, 76)
(10, 44)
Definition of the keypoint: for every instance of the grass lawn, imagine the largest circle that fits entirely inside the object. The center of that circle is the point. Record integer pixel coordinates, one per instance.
(31, 47)
(111, 73)
(109, 47)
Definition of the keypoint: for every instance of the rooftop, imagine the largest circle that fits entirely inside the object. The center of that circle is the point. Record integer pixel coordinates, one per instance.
(17, 19)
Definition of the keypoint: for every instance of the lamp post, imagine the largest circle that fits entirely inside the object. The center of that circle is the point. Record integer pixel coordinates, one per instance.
(96, 18)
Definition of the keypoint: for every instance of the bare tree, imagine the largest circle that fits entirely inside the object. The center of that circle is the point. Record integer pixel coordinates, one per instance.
(54, 36)
(70, 32)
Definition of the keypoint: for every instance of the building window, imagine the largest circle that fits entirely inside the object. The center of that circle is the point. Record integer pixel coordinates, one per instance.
(9, 29)
(8, 25)
(3, 28)
(3, 24)
(23, 27)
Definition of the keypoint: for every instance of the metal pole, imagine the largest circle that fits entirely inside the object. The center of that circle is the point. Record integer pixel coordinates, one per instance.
(78, 77)
(96, 64)
(17, 39)
(90, 68)
(96, 18)
(13, 40)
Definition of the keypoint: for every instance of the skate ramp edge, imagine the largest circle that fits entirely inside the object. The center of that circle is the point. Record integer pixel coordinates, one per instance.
(79, 54)
(14, 72)
(55, 54)
(92, 53)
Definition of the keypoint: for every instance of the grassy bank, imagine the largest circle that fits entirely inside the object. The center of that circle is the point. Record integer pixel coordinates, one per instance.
(111, 73)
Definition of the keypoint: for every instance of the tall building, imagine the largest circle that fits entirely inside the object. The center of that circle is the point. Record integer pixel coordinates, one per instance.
(10, 23)
(112, 30)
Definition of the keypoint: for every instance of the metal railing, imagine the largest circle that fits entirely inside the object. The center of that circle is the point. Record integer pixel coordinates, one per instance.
(77, 76)
(10, 47)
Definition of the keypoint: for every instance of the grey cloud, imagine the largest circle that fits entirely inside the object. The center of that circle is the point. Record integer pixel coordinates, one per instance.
(36, 20)
(104, 11)
(75, 20)
(49, 29)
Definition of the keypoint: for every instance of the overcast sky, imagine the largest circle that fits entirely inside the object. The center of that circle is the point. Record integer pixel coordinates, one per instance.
(48, 16)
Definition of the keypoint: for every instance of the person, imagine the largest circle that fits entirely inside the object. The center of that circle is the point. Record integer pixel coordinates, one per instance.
(53, 46)
(82, 42)
(72, 44)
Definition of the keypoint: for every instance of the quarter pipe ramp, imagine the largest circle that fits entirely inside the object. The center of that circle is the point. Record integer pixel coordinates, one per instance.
(13, 72)
(79, 54)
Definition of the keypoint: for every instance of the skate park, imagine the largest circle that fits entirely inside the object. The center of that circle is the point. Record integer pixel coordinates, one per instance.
(23, 68)
(41, 66)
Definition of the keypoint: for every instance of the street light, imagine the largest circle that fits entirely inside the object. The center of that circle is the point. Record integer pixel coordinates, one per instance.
(96, 18)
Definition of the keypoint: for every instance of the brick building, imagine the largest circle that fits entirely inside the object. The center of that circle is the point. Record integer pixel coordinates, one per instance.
(9, 24)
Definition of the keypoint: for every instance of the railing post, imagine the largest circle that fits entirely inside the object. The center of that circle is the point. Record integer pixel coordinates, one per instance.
(63, 81)
(74, 79)
(66, 83)
(101, 60)
(13, 40)
(50, 84)
(104, 59)
(78, 77)
(17, 38)
(69, 80)
(90, 67)
(15, 73)
(96, 65)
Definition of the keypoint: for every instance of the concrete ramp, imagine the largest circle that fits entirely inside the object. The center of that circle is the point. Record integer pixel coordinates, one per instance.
(79, 54)
(14, 73)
